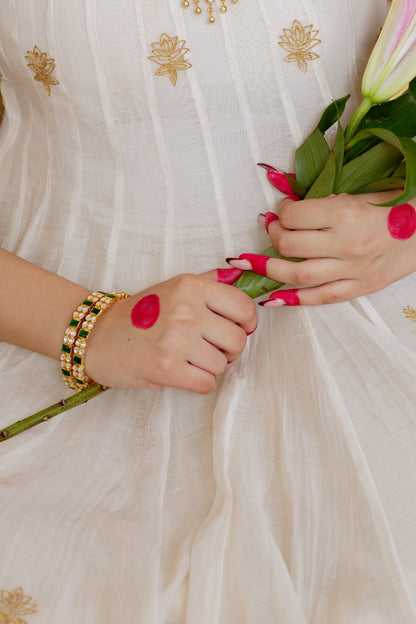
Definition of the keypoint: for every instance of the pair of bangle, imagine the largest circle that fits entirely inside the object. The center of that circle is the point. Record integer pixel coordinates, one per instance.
(77, 334)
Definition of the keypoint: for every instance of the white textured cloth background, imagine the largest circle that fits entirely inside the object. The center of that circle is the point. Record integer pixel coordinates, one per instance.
(288, 496)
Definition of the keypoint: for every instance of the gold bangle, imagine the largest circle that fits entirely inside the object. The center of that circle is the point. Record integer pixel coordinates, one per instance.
(77, 334)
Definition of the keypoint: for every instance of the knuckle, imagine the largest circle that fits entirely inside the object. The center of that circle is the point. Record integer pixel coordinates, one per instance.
(286, 211)
(334, 297)
(164, 366)
(285, 245)
(240, 340)
(302, 275)
(247, 309)
(186, 282)
(207, 385)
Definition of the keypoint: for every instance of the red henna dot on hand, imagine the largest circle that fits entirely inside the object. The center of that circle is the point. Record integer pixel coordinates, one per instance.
(146, 312)
(401, 221)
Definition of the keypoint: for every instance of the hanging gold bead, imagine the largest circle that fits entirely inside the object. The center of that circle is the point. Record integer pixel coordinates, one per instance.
(223, 8)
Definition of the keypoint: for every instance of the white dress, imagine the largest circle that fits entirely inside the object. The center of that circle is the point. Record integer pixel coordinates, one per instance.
(290, 494)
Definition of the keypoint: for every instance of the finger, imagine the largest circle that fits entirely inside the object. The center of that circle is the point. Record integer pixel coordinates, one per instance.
(208, 357)
(225, 335)
(304, 273)
(331, 292)
(231, 303)
(225, 276)
(308, 214)
(267, 218)
(187, 376)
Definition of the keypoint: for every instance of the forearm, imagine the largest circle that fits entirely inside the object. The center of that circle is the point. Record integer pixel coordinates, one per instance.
(35, 305)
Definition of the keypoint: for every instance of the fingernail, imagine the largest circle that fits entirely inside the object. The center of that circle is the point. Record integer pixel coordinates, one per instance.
(282, 297)
(250, 262)
(272, 303)
(252, 331)
(265, 218)
(278, 178)
(229, 276)
(239, 263)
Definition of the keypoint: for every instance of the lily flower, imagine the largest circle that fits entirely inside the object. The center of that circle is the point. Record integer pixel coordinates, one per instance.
(392, 64)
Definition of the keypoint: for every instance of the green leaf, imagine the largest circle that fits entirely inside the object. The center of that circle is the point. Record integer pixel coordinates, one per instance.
(398, 116)
(296, 187)
(255, 285)
(407, 147)
(324, 183)
(332, 114)
(377, 163)
(400, 172)
(310, 158)
(339, 149)
(386, 184)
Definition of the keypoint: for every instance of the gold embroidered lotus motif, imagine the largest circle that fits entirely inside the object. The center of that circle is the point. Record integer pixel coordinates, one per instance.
(42, 67)
(169, 53)
(299, 41)
(13, 604)
(410, 313)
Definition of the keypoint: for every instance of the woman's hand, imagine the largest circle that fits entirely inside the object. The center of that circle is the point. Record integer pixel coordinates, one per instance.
(352, 247)
(179, 333)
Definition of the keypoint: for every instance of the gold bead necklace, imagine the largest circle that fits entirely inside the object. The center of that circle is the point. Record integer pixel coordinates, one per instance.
(210, 8)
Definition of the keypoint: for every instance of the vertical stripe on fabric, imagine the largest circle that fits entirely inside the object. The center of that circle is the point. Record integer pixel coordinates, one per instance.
(220, 203)
(168, 244)
(91, 12)
(276, 61)
(268, 192)
(74, 202)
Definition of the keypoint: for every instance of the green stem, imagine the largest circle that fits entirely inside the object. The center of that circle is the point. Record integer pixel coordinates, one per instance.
(48, 413)
(359, 114)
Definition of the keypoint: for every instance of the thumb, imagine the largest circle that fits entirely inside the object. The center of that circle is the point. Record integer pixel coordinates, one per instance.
(224, 276)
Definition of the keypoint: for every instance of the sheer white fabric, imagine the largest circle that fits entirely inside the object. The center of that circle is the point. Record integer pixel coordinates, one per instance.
(289, 495)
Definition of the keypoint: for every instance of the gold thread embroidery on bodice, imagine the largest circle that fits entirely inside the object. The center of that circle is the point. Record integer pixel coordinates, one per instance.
(42, 67)
(299, 40)
(13, 604)
(169, 53)
(410, 313)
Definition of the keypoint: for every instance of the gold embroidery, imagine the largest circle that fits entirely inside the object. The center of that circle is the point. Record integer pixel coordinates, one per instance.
(169, 54)
(210, 8)
(410, 313)
(298, 41)
(13, 604)
(42, 66)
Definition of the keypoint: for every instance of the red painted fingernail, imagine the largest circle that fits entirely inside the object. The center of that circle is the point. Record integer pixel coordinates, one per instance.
(252, 331)
(229, 276)
(258, 262)
(250, 262)
(239, 263)
(401, 221)
(272, 303)
(278, 178)
(266, 218)
(282, 297)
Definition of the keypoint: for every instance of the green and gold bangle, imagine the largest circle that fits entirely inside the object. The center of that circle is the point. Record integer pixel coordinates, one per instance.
(76, 337)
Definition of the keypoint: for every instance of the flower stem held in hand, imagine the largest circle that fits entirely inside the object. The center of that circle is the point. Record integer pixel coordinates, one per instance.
(48, 413)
